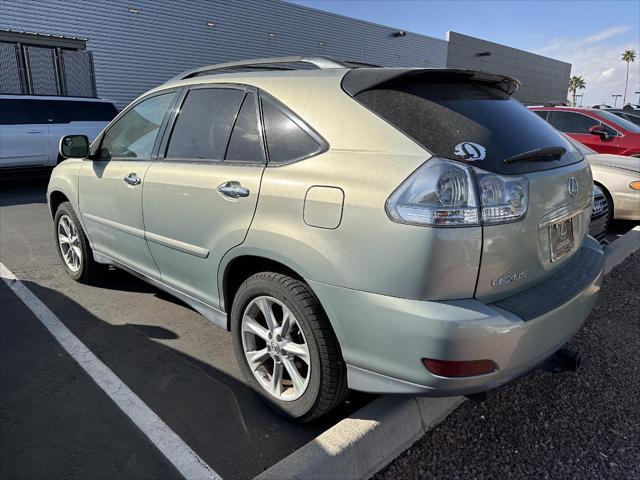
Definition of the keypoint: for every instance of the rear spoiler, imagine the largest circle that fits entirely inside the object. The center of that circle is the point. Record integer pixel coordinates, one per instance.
(361, 79)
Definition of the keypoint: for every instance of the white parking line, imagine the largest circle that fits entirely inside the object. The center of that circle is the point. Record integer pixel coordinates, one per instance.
(186, 461)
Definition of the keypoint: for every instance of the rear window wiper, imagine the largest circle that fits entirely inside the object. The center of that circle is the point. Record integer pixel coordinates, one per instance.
(538, 154)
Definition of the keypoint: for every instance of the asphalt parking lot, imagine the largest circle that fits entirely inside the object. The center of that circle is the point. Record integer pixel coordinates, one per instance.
(55, 420)
(565, 425)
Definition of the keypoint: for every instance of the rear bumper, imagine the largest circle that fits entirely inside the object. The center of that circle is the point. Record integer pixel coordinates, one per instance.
(383, 339)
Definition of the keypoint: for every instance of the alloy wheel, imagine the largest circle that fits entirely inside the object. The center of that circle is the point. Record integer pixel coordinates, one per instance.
(275, 348)
(69, 243)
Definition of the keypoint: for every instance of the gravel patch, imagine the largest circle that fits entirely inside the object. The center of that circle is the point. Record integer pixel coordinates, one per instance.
(567, 425)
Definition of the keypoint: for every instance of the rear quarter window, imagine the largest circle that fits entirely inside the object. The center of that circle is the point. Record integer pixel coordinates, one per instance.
(541, 113)
(441, 115)
(288, 138)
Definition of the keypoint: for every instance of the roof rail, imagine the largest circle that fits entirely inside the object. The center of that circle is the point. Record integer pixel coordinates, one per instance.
(320, 62)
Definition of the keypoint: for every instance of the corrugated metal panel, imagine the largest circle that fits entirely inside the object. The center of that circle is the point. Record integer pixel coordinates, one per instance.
(543, 79)
(134, 52)
(10, 69)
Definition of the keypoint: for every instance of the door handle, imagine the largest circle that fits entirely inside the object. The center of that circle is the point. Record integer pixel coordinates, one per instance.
(132, 179)
(233, 190)
(34, 131)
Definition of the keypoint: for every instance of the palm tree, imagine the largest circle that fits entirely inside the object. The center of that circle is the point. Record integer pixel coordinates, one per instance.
(576, 83)
(628, 56)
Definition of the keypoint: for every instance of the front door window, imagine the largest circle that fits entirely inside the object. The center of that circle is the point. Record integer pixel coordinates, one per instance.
(132, 137)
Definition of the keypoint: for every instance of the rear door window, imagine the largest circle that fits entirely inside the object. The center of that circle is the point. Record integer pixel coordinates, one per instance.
(41, 111)
(452, 118)
(201, 130)
(82, 111)
(245, 144)
(288, 139)
(570, 122)
(16, 111)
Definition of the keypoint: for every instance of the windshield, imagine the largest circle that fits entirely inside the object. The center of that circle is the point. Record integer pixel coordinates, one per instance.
(469, 122)
(622, 122)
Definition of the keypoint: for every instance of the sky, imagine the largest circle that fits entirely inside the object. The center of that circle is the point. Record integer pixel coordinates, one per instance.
(591, 35)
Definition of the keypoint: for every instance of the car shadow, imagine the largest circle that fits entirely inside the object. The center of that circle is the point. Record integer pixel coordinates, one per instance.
(220, 417)
(118, 280)
(22, 190)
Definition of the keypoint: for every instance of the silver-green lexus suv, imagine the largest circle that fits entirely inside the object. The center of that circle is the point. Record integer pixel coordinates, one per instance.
(388, 230)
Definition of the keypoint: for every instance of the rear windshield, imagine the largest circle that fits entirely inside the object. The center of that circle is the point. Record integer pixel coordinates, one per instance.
(468, 121)
(16, 111)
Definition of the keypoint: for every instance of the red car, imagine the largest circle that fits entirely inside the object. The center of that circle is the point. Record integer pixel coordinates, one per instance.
(600, 130)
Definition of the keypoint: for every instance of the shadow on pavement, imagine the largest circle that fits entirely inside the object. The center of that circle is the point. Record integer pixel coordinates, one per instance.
(23, 190)
(219, 417)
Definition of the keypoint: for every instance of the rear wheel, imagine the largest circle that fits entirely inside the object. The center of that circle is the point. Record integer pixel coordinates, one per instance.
(72, 245)
(286, 347)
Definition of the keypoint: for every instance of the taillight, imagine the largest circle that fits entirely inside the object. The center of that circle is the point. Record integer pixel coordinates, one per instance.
(445, 193)
(439, 193)
(503, 198)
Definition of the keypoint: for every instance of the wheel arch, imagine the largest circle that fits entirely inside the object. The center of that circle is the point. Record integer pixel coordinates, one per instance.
(237, 269)
(56, 198)
(609, 197)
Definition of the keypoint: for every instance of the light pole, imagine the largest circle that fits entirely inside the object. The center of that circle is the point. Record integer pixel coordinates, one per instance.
(615, 99)
(638, 93)
(580, 97)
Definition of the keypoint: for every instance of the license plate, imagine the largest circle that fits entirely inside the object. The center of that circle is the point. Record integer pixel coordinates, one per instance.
(561, 238)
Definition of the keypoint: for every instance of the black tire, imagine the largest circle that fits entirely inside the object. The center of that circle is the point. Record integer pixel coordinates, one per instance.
(88, 267)
(610, 204)
(327, 385)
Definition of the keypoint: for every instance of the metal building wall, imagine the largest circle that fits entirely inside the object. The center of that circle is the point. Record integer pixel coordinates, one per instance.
(138, 44)
(543, 79)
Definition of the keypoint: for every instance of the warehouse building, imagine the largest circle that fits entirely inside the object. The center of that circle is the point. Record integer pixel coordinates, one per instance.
(119, 49)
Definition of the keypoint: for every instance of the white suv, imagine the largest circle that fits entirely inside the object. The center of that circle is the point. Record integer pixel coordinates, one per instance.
(31, 126)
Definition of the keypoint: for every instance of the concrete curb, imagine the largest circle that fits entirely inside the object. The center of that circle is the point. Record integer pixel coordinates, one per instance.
(359, 446)
(616, 253)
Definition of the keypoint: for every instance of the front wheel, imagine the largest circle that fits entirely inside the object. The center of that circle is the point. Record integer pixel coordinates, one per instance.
(72, 245)
(286, 347)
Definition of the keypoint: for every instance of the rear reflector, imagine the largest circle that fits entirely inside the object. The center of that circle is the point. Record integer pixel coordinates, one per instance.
(450, 368)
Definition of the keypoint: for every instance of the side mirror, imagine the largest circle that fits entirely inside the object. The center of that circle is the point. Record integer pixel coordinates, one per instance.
(599, 130)
(74, 146)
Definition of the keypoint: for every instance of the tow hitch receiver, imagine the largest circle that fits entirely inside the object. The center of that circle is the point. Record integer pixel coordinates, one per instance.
(564, 360)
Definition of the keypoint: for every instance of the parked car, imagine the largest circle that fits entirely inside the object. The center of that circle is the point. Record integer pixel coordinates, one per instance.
(31, 126)
(599, 130)
(619, 179)
(632, 115)
(599, 216)
(408, 231)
